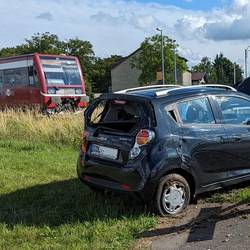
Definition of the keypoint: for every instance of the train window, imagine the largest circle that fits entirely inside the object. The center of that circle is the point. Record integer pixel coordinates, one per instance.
(9, 76)
(21, 76)
(33, 80)
(16, 76)
(1, 78)
(1, 81)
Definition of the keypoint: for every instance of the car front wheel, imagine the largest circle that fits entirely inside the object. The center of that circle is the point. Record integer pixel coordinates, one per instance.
(173, 195)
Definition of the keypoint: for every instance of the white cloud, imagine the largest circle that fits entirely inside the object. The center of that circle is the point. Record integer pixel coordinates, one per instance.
(230, 23)
(46, 16)
(102, 17)
(119, 26)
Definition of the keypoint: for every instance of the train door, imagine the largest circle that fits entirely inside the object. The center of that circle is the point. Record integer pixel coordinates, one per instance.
(15, 86)
(34, 87)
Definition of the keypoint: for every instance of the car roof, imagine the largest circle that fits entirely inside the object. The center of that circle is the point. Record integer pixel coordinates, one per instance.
(156, 93)
(148, 88)
(171, 94)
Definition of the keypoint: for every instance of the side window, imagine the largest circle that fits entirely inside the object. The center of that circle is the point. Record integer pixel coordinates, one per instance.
(33, 79)
(31, 76)
(196, 111)
(16, 76)
(1, 82)
(172, 113)
(21, 76)
(9, 76)
(235, 110)
(1, 78)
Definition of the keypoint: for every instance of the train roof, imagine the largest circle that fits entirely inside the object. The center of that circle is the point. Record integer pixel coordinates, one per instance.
(19, 57)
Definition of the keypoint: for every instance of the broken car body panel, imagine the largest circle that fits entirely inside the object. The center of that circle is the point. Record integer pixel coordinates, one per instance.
(209, 153)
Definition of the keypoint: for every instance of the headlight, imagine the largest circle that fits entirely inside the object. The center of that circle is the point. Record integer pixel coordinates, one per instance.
(51, 91)
(78, 91)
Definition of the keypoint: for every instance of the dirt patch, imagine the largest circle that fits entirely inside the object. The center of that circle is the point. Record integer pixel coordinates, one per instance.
(198, 223)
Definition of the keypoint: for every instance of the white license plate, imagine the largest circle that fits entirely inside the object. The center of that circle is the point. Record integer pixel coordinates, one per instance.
(102, 151)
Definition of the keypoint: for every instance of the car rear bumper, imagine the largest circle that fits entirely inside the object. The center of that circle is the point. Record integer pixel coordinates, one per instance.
(123, 178)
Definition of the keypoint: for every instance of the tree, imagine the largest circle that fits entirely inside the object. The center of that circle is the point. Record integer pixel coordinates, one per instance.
(206, 66)
(224, 70)
(101, 73)
(220, 71)
(43, 43)
(149, 59)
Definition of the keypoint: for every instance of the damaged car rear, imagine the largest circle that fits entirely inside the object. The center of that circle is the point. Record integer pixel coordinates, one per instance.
(118, 136)
(165, 145)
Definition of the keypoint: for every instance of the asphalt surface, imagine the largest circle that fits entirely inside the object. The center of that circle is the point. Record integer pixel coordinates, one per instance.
(208, 226)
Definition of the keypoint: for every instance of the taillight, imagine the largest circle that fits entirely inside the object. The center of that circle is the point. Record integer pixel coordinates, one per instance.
(142, 138)
(85, 141)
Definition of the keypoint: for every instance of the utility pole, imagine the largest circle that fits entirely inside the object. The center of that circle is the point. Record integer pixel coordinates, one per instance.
(175, 66)
(162, 56)
(234, 73)
(246, 61)
(66, 41)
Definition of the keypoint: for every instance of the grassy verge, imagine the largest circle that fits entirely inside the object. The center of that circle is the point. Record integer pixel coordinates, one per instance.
(44, 206)
(59, 129)
(237, 194)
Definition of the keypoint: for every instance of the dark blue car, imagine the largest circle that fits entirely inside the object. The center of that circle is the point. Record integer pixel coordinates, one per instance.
(167, 144)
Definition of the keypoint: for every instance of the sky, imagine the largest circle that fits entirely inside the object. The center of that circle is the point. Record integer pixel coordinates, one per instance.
(200, 27)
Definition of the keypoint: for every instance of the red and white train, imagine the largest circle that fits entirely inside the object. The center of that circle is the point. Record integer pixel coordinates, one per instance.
(48, 82)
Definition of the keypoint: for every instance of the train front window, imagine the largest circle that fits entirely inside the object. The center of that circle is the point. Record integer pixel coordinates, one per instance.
(60, 71)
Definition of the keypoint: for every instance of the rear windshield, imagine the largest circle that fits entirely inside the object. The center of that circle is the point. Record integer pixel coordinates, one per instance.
(117, 115)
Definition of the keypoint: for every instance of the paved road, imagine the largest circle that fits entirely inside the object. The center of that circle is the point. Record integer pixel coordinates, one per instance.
(210, 226)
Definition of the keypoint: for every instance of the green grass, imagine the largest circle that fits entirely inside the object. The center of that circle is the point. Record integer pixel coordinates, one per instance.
(44, 206)
(238, 194)
(42, 203)
(61, 129)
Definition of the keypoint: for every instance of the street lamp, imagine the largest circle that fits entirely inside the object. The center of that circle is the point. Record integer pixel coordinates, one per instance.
(162, 56)
(175, 66)
(234, 73)
(246, 59)
(66, 41)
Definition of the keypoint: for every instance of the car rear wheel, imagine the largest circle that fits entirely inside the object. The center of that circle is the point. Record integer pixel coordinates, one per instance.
(173, 195)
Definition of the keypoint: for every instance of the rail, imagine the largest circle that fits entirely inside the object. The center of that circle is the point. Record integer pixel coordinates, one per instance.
(219, 86)
(146, 88)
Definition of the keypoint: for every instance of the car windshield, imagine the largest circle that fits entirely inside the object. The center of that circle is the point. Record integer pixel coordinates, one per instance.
(61, 71)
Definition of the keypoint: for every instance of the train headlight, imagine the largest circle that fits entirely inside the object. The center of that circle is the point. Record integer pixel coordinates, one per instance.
(78, 91)
(51, 91)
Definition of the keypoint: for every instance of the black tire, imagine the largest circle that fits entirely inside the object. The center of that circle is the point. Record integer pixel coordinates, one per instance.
(174, 188)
